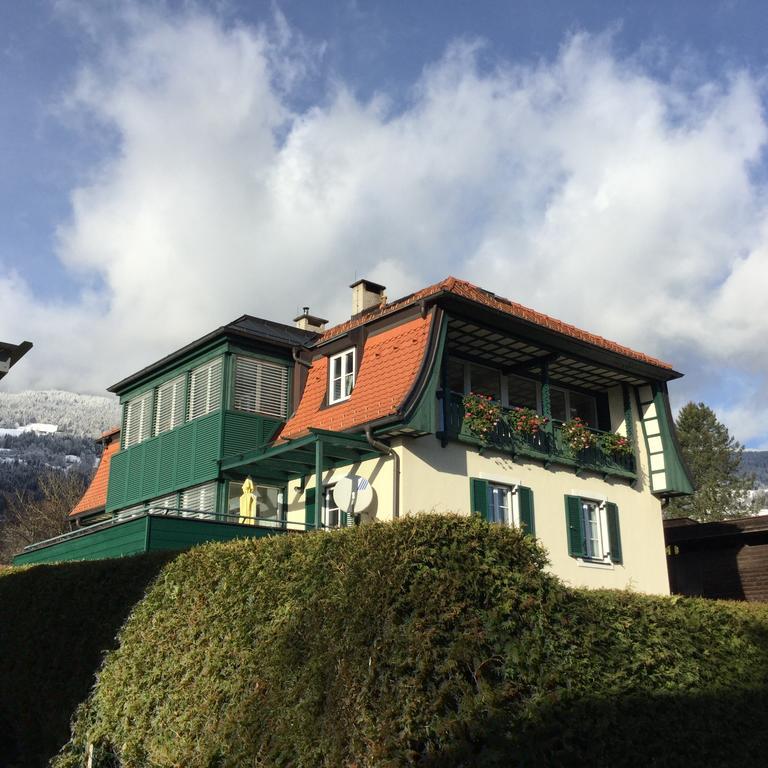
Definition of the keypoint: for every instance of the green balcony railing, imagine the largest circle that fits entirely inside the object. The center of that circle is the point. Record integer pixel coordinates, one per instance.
(546, 445)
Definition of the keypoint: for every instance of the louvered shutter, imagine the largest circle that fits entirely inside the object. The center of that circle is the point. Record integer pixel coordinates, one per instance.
(525, 502)
(199, 501)
(574, 521)
(310, 507)
(169, 412)
(125, 514)
(165, 504)
(205, 389)
(138, 419)
(614, 534)
(478, 497)
(261, 387)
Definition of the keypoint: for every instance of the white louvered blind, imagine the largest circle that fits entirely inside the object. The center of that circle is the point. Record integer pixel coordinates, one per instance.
(126, 514)
(261, 387)
(169, 412)
(199, 501)
(205, 389)
(165, 504)
(138, 419)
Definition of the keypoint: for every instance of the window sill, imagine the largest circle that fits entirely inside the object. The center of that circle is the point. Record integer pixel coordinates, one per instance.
(342, 400)
(604, 565)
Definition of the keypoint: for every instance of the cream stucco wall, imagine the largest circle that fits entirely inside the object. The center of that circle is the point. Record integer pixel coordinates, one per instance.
(435, 479)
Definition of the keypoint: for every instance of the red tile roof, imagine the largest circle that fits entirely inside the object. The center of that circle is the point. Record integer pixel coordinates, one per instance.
(473, 293)
(389, 366)
(95, 497)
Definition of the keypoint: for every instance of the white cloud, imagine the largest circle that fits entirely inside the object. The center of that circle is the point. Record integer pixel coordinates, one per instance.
(582, 186)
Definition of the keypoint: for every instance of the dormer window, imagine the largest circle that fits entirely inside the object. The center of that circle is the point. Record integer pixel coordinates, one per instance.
(342, 376)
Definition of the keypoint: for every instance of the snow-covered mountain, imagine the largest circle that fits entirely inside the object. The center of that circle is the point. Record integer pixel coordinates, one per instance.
(74, 414)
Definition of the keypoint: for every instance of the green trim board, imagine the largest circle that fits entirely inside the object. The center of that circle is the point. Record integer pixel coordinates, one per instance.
(668, 474)
(185, 366)
(423, 418)
(141, 534)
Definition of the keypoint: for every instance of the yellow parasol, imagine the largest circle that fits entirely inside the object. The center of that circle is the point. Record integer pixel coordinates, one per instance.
(248, 504)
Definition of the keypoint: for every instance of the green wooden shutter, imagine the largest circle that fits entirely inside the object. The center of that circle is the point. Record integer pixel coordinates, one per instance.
(614, 534)
(577, 546)
(478, 497)
(309, 507)
(525, 501)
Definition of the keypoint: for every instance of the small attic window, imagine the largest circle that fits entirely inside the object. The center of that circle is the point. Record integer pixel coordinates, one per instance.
(342, 376)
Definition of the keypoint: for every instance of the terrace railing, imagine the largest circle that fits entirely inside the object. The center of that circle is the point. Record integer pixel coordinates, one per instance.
(548, 445)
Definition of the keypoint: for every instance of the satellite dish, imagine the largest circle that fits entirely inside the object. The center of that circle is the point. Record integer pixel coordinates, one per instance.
(353, 494)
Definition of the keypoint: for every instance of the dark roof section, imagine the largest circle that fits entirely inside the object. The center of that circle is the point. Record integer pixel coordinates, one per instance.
(674, 534)
(244, 327)
(10, 354)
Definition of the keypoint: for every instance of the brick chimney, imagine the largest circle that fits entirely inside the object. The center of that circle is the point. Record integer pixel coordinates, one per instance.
(366, 295)
(308, 322)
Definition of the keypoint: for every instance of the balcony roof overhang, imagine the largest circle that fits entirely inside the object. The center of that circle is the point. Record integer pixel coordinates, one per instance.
(314, 453)
(482, 335)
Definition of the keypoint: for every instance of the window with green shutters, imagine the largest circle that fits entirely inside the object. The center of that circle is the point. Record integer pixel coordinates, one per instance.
(500, 503)
(593, 529)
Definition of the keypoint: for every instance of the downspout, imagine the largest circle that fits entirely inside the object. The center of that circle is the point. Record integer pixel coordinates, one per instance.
(389, 450)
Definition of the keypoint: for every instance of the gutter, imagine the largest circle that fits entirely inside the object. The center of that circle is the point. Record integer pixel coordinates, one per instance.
(388, 449)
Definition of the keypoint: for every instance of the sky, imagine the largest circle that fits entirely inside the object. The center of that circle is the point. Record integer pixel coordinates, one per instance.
(166, 167)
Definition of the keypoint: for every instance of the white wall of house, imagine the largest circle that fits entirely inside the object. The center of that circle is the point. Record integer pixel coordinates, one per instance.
(435, 479)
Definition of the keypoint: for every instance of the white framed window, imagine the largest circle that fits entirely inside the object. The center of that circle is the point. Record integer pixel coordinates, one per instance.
(138, 419)
(463, 377)
(341, 376)
(205, 389)
(169, 412)
(567, 405)
(593, 530)
(199, 501)
(501, 506)
(260, 387)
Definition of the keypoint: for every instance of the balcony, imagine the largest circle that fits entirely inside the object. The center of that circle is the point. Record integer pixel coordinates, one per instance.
(150, 530)
(546, 446)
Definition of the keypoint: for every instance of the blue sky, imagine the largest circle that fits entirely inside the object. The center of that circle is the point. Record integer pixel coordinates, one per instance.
(169, 166)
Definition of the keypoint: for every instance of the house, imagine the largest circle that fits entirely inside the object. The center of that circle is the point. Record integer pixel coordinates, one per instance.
(578, 446)
(10, 354)
(727, 559)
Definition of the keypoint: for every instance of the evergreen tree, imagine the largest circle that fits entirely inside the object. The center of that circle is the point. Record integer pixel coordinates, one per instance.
(714, 458)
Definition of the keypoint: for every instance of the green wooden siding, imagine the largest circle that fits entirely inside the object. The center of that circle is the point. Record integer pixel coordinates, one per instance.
(184, 457)
(245, 431)
(126, 538)
(178, 533)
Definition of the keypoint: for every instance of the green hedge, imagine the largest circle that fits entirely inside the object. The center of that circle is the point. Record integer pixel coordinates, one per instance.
(432, 641)
(56, 622)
